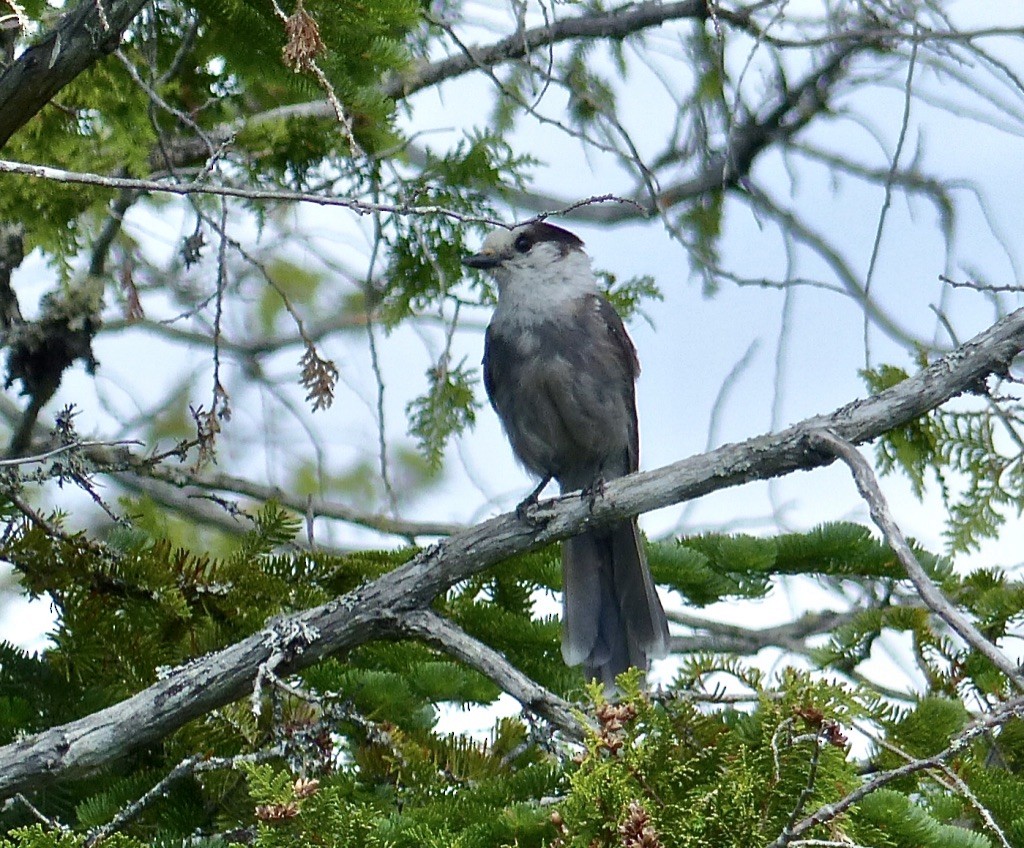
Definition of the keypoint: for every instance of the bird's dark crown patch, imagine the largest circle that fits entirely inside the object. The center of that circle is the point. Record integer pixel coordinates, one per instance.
(543, 231)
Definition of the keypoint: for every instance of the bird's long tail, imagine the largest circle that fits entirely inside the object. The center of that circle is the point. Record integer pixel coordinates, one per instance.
(612, 617)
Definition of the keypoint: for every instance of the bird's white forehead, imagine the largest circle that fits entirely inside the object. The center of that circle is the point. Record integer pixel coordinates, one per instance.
(499, 240)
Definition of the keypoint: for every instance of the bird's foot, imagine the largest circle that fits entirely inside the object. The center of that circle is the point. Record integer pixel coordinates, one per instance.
(594, 491)
(526, 509)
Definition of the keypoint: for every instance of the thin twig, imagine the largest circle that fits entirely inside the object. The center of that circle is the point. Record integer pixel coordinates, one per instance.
(60, 175)
(894, 167)
(361, 207)
(39, 815)
(189, 766)
(50, 454)
(805, 792)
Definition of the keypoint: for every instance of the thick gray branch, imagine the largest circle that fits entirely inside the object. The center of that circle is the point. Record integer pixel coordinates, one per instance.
(90, 31)
(301, 640)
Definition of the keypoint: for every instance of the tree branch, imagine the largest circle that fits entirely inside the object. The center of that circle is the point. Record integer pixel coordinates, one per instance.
(999, 716)
(303, 639)
(441, 633)
(868, 487)
(60, 175)
(258, 346)
(613, 24)
(318, 507)
(82, 36)
(724, 168)
(731, 638)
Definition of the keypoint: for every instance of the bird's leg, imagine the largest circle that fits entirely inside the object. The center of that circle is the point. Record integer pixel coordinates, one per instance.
(531, 500)
(594, 491)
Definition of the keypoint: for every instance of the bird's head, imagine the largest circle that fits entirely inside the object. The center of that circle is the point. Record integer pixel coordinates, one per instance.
(538, 256)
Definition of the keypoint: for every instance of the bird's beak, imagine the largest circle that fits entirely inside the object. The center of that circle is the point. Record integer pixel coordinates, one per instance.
(484, 259)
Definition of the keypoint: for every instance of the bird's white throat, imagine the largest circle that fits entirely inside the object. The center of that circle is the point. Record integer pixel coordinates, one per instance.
(528, 293)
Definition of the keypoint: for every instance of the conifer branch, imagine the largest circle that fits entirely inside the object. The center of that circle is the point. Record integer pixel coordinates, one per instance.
(364, 614)
(869, 489)
(999, 716)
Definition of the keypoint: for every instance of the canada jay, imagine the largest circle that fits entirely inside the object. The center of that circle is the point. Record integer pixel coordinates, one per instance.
(559, 370)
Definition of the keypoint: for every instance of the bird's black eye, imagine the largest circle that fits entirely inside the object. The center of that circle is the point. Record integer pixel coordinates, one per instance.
(523, 243)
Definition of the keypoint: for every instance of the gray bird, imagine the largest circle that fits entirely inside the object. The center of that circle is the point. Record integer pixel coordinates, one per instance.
(559, 369)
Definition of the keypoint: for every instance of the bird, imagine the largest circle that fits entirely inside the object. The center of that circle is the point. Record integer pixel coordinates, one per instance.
(560, 371)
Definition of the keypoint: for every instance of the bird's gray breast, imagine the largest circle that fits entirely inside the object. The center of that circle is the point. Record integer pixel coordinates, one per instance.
(564, 395)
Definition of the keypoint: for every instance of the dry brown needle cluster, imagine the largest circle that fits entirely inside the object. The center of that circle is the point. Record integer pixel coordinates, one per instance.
(302, 788)
(318, 378)
(304, 42)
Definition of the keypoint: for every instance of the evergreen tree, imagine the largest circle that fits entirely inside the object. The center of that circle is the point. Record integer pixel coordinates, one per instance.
(241, 652)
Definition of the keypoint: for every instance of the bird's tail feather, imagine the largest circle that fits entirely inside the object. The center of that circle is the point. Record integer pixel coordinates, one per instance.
(612, 617)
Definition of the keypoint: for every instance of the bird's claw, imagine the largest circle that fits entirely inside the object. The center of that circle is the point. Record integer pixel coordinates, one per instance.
(526, 511)
(524, 506)
(527, 508)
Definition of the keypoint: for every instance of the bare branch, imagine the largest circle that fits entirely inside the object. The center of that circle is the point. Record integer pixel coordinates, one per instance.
(44, 172)
(440, 632)
(868, 487)
(731, 638)
(318, 506)
(612, 24)
(804, 233)
(893, 168)
(360, 207)
(169, 486)
(187, 767)
(724, 168)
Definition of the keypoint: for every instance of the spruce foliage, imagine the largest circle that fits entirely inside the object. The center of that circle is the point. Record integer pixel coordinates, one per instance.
(356, 756)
